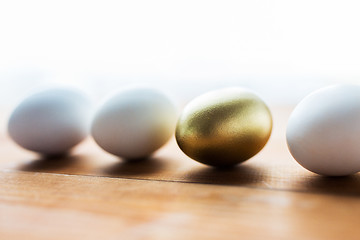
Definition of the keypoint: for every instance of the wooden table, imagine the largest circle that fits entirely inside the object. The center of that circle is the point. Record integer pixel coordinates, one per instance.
(94, 195)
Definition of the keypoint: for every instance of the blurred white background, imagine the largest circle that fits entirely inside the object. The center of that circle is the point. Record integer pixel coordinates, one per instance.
(282, 49)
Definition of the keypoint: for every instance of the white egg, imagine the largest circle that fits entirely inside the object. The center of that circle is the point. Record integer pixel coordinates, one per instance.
(134, 122)
(51, 121)
(323, 131)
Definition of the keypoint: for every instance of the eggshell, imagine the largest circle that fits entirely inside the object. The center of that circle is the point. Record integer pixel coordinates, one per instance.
(224, 127)
(323, 131)
(134, 122)
(51, 121)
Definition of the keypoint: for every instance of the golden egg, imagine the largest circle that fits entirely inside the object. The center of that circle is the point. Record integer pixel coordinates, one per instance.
(224, 127)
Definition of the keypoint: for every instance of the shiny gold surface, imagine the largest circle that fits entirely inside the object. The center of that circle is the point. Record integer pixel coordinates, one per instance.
(224, 127)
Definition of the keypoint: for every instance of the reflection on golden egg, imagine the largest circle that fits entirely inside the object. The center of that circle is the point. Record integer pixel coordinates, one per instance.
(224, 127)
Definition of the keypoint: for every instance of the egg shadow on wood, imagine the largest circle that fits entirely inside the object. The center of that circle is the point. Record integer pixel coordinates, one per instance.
(50, 163)
(237, 175)
(135, 167)
(347, 185)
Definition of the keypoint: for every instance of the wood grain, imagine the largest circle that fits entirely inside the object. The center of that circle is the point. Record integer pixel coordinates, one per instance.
(65, 206)
(94, 195)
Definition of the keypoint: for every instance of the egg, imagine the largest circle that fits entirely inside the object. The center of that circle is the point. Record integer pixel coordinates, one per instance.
(224, 127)
(51, 121)
(134, 122)
(323, 131)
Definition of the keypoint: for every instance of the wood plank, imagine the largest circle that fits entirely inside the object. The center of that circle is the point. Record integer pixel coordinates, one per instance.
(272, 168)
(42, 205)
(94, 195)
